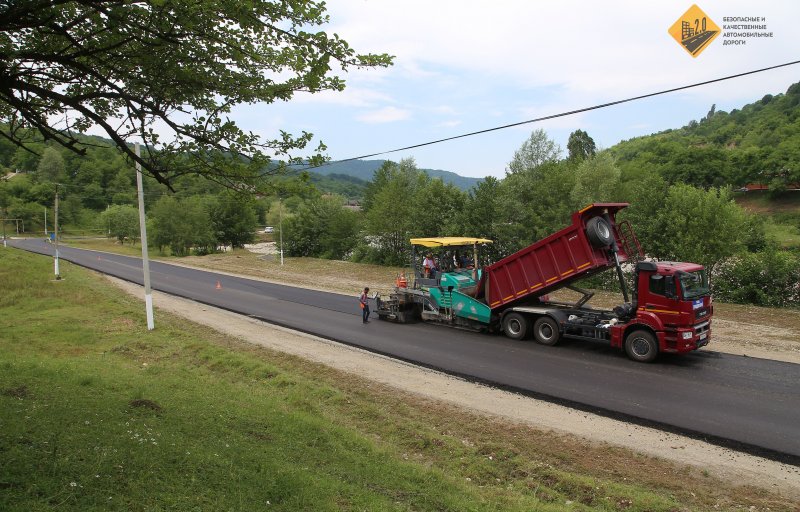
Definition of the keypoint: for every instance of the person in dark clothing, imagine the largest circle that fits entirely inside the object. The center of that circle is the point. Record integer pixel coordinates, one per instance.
(364, 300)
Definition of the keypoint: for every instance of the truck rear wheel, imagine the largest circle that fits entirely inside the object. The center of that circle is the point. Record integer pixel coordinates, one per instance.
(641, 346)
(545, 331)
(599, 232)
(515, 326)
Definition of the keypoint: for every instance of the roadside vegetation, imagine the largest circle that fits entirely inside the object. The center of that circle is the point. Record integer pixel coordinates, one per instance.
(781, 213)
(97, 413)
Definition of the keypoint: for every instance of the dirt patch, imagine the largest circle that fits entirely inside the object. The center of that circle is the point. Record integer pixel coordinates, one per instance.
(707, 459)
(19, 392)
(143, 403)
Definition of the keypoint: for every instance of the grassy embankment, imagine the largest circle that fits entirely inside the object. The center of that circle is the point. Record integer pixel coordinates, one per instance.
(97, 413)
(781, 214)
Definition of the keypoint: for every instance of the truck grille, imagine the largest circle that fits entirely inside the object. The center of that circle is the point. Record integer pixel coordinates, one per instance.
(701, 328)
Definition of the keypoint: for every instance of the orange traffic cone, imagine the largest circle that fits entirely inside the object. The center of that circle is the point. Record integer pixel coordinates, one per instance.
(219, 286)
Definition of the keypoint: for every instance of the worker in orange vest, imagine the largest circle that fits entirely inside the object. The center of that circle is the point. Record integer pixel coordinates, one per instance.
(364, 301)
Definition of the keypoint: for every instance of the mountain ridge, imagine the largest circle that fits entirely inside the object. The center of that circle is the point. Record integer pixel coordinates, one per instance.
(365, 169)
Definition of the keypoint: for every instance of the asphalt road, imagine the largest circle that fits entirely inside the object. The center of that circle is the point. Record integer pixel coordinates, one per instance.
(745, 403)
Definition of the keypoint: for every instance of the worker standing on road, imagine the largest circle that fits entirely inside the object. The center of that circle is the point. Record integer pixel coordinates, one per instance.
(364, 300)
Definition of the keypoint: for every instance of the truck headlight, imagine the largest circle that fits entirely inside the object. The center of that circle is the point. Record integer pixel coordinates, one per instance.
(686, 335)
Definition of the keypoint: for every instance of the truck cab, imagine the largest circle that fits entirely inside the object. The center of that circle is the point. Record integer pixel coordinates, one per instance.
(674, 300)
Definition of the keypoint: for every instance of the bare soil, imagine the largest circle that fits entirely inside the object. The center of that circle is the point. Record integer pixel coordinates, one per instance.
(746, 330)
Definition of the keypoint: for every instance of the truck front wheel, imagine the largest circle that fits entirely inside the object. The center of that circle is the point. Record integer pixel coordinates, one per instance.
(545, 331)
(515, 326)
(641, 346)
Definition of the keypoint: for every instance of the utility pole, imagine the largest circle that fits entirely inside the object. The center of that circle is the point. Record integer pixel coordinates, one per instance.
(45, 222)
(280, 223)
(55, 231)
(148, 296)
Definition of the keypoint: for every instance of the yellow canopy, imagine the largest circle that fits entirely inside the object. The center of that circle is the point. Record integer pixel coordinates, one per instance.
(446, 241)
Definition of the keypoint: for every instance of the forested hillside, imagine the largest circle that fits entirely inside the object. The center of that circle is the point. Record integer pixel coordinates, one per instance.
(759, 143)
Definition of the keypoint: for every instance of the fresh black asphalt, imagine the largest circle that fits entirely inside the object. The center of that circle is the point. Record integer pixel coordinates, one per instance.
(744, 403)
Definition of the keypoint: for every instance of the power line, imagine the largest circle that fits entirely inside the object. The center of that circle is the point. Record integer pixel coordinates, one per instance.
(562, 114)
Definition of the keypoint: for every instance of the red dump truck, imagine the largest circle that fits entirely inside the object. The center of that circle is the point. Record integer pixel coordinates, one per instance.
(670, 310)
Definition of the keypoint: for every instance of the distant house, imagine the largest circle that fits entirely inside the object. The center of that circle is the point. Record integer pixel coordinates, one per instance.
(353, 205)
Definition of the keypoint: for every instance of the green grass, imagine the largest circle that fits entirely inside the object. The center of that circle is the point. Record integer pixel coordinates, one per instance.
(781, 214)
(787, 235)
(97, 413)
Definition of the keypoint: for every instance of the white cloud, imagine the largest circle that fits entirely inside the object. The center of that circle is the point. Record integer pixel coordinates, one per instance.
(468, 65)
(597, 50)
(354, 96)
(385, 115)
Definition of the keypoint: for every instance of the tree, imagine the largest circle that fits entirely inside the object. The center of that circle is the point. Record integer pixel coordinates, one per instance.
(535, 202)
(25, 160)
(596, 181)
(392, 215)
(29, 214)
(122, 222)
(166, 66)
(482, 216)
(537, 150)
(711, 112)
(440, 206)
(696, 225)
(182, 225)
(122, 187)
(233, 219)
(51, 167)
(321, 227)
(580, 146)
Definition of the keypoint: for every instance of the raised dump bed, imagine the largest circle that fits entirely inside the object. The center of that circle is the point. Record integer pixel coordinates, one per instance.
(573, 253)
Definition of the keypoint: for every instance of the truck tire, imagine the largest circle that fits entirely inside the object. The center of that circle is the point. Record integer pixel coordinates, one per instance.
(545, 331)
(599, 232)
(515, 326)
(641, 346)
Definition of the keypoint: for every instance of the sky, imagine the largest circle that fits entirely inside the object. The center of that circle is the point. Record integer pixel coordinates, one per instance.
(464, 66)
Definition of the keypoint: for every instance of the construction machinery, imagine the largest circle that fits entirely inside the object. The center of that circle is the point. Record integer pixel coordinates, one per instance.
(668, 311)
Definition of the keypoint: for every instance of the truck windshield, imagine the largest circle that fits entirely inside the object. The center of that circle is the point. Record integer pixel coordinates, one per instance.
(694, 284)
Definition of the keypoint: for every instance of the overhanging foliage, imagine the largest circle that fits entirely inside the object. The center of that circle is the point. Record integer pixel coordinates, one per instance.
(166, 72)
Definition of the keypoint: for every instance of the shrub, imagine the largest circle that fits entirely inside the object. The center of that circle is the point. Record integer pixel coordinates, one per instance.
(768, 278)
